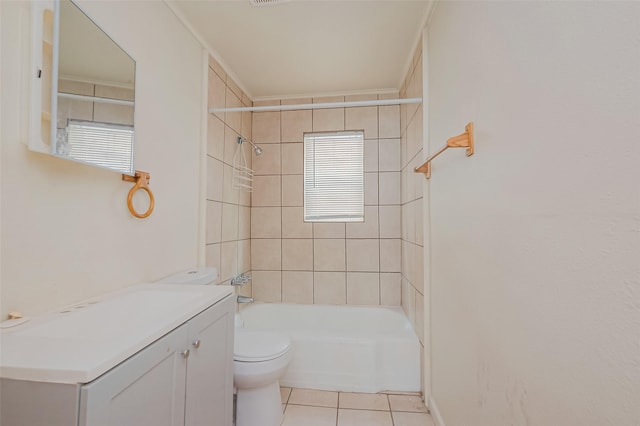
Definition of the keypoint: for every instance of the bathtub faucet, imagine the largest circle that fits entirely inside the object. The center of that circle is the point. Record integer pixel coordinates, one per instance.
(245, 299)
(241, 279)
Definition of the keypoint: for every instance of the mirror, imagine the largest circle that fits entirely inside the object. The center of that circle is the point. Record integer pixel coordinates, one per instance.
(95, 87)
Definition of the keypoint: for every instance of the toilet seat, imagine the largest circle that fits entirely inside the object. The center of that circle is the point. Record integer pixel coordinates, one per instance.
(256, 346)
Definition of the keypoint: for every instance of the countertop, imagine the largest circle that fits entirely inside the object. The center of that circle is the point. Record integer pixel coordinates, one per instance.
(79, 343)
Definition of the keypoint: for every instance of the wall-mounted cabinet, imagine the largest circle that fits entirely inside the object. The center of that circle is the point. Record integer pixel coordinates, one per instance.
(82, 89)
(41, 72)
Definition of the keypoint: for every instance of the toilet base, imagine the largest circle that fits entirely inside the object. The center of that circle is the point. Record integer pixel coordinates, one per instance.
(259, 406)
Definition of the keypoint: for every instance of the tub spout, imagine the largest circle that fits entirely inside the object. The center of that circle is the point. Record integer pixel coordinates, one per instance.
(245, 299)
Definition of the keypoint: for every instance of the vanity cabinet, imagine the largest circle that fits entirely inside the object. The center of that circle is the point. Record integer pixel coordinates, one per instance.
(183, 378)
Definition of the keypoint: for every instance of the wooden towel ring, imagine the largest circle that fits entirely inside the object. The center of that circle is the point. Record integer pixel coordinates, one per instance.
(142, 182)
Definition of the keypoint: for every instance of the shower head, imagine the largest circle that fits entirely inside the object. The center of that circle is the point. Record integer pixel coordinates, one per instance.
(256, 148)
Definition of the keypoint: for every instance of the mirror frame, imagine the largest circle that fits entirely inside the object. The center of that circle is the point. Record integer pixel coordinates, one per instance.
(45, 55)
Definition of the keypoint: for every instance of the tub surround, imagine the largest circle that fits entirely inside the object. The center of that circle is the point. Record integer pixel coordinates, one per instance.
(228, 220)
(326, 263)
(414, 288)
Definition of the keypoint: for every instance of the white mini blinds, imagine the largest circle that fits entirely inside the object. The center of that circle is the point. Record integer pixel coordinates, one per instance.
(102, 144)
(334, 177)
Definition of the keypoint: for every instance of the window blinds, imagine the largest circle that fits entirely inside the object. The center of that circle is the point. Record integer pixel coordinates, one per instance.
(106, 145)
(334, 177)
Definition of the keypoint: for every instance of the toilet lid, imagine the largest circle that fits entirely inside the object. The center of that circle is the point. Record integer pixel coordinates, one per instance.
(253, 346)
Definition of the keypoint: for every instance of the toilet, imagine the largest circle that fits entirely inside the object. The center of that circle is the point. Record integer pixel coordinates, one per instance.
(260, 358)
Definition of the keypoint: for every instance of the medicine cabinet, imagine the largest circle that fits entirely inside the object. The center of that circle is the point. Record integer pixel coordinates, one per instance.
(82, 89)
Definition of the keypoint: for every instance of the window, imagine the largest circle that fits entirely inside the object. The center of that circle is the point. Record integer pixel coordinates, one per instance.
(102, 144)
(334, 177)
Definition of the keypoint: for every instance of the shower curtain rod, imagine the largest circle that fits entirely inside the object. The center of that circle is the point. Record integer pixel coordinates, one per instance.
(325, 105)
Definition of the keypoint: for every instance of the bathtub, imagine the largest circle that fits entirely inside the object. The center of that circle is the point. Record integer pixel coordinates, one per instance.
(343, 348)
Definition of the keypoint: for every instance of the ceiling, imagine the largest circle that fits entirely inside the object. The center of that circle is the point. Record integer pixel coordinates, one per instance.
(309, 47)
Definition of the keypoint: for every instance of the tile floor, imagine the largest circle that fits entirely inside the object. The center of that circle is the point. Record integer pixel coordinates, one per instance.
(305, 407)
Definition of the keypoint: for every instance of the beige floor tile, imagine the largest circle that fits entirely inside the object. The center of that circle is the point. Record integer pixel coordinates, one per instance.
(401, 418)
(317, 398)
(364, 418)
(298, 415)
(364, 401)
(284, 394)
(407, 403)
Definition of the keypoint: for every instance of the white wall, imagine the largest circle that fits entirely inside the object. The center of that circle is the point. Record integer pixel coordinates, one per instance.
(535, 240)
(66, 230)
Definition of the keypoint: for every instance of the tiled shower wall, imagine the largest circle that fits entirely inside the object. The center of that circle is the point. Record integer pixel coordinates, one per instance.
(228, 233)
(93, 111)
(325, 263)
(411, 123)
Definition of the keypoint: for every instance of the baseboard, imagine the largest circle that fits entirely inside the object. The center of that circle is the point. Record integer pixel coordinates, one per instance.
(435, 413)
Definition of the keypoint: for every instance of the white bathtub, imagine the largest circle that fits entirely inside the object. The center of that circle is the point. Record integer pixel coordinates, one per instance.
(343, 348)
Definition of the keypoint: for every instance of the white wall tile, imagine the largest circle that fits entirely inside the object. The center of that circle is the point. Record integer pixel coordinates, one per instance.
(214, 222)
(328, 119)
(389, 188)
(293, 225)
(389, 121)
(371, 155)
(267, 163)
(229, 193)
(297, 254)
(212, 256)
(267, 286)
(244, 222)
(266, 254)
(366, 229)
(297, 287)
(233, 119)
(217, 93)
(328, 230)
(266, 191)
(389, 154)
(295, 124)
(363, 288)
(266, 222)
(363, 118)
(371, 189)
(214, 179)
(229, 222)
(329, 288)
(363, 255)
(292, 190)
(215, 137)
(329, 254)
(390, 252)
(390, 221)
(266, 127)
(244, 256)
(390, 289)
(292, 159)
(228, 260)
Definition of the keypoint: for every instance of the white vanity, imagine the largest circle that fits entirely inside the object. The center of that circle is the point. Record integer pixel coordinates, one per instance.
(152, 354)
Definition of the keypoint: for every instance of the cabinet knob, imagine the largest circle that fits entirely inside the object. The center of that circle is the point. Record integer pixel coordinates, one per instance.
(196, 344)
(185, 354)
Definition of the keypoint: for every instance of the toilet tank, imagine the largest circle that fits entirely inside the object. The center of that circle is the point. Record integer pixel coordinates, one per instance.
(201, 276)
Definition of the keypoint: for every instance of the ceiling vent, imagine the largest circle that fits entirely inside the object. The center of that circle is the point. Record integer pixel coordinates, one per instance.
(266, 2)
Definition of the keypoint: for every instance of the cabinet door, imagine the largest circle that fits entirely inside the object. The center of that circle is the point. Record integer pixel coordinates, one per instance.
(146, 389)
(209, 397)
